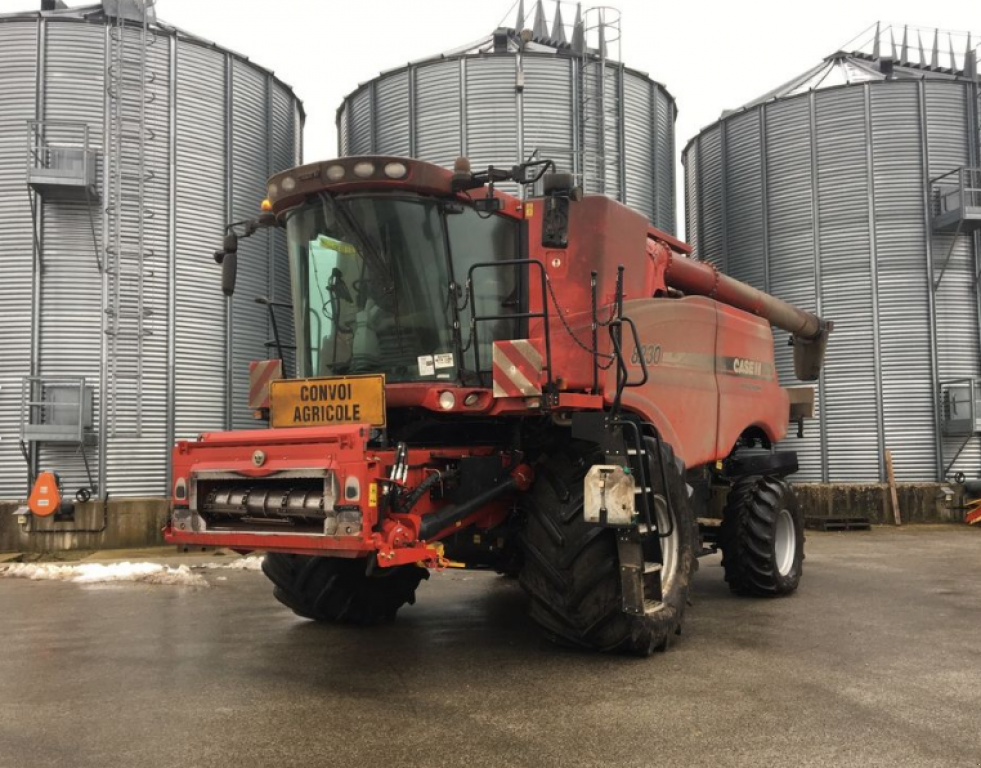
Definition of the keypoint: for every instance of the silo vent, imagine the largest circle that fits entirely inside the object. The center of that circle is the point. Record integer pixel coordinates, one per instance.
(500, 40)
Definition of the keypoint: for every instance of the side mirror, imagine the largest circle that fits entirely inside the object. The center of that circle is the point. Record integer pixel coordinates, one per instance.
(555, 222)
(229, 263)
(229, 271)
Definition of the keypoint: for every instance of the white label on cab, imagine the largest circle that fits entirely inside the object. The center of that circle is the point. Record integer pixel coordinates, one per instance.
(443, 360)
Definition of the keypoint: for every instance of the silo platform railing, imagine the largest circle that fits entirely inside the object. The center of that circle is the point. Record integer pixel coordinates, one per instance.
(61, 163)
(960, 412)
(57, 409)
(61, 167)
(956, 200)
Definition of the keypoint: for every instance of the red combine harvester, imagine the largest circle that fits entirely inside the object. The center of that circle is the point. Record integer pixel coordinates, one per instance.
(548, 388)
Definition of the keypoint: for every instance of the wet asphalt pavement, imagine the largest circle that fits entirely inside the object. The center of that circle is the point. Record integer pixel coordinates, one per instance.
(875, 661)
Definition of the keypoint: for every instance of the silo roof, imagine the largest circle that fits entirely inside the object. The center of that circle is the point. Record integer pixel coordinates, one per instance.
(885, 52)
(108, 9)
(558, 38)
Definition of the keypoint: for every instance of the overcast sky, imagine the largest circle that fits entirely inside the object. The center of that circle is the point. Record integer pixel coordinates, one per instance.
(710, 55)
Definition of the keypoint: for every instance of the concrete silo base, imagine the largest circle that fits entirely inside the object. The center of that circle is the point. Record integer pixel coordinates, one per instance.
(130, 523)
(918, 502)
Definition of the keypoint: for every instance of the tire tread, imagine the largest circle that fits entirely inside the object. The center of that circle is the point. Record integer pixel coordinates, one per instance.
(338, 590)
(746, 536)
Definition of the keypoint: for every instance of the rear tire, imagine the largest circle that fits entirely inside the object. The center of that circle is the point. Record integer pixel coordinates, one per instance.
(340, 591)
(762, 537)
(571, 568)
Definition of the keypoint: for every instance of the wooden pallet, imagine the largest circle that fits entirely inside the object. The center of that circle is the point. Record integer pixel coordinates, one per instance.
(838, 523)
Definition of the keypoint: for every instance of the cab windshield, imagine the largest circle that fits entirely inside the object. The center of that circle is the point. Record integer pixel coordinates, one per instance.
(378, 286)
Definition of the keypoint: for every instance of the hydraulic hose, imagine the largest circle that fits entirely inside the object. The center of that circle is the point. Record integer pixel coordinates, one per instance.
(447, 516)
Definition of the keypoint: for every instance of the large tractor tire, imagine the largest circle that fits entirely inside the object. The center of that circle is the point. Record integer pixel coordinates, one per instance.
(762, 537)
(571, 568)
(341, 591)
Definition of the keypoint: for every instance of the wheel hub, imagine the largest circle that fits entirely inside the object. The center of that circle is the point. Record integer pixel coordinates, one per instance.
(785, 542)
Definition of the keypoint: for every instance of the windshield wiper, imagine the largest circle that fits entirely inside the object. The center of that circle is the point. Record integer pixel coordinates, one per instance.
(378, 262)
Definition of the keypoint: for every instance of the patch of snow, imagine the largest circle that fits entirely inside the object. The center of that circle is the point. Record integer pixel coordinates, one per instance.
(98, 573)
(251, 563)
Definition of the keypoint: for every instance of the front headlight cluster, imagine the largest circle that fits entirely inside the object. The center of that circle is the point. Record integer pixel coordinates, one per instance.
(336, 172)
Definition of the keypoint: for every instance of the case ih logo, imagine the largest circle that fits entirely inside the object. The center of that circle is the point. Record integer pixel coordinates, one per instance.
(742, 366)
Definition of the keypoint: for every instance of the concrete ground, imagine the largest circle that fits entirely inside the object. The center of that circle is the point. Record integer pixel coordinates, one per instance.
(875, 661)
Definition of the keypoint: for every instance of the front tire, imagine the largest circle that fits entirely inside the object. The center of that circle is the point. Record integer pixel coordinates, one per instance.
(762, 537)
(340, 591)
(571, 568)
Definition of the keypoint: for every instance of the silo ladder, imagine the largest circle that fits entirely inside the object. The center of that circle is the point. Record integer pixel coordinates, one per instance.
(129, 308)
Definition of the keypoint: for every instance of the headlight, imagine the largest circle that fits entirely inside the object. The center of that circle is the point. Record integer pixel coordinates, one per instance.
(396, 170)
(364, 170)
(446, 401)
(289, 184)
(335, 172)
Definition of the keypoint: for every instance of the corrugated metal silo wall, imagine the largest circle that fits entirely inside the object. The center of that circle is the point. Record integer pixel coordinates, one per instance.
(259, 119)
(438, 122)
(821, 200)
(392, 114)
(236, 127)
(71, 89)
(284, 143)
(547, 102)
(18, 83)
(436, 111)
(201, 214)
(250, 327)
(491, 120)
(192, 191)
(665, 113)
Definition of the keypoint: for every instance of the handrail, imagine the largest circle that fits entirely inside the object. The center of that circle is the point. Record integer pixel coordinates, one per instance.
(36, 385)
(40, 146)
(956, 190)
(543, 315)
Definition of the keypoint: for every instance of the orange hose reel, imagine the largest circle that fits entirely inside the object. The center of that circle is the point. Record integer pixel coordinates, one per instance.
(45, 498)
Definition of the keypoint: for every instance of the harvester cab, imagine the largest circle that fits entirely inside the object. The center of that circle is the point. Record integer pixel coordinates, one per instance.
(547, 387)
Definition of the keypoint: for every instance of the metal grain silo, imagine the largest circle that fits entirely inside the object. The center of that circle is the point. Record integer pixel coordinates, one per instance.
(126, 145)
(850, 191)
(558, 90)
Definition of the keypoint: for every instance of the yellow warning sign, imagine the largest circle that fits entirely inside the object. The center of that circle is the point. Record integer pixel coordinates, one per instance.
(328, 401)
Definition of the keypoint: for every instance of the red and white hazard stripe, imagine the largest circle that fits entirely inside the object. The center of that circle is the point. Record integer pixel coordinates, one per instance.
(261, 373)
(517, 368)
